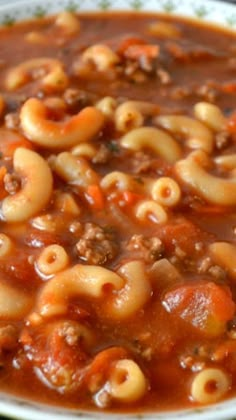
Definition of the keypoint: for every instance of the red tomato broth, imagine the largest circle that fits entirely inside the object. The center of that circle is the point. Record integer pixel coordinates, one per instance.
(166, 336)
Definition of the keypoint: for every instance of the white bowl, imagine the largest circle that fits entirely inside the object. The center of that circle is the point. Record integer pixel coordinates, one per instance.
(206, 10)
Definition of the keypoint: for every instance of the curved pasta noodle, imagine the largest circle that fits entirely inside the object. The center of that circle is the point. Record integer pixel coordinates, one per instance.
(84, 149)
(150, 210)
(210, 115)
(135, 293)
(52, 260)
(55, 78)
(122, 181)
(197, 134)
(45, 222)
(37, 184)
(216, 379)
(14, 304)
(6, 245)
(35, 37)
(166, 192)
(107, 106)
(130, 286)
(212, 188)
(68, 21)
(164, 29)
(226, 162)
(86, 280)
(101, 56)
(74, 170)
(66, 203)
(55, 104)
(59, 135)
(154, 139)
(223, 253)
(127, 382)
(117, 179)
(82, 334)
(130, 114)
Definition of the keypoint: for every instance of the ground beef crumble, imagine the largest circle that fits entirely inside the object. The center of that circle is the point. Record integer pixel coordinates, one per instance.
(97, 245)
(11, 183)
(151, 249)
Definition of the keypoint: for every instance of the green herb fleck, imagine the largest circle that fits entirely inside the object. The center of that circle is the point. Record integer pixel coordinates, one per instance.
(139, 180)
(72, 7)
(201, 12)
(231, 20)
(196, 351)
(8, 20)
(104, 4)
(39, 12)
(113, 147)
(168, 6)
(136, 4)
(110, 230)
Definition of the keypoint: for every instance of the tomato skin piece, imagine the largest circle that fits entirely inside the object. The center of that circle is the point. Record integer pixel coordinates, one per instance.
(206, 306)
(183, 234)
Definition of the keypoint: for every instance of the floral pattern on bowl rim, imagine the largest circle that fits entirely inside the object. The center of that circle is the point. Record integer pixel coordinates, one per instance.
(206, 10)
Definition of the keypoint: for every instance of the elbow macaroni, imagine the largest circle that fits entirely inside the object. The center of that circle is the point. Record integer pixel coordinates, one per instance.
(150, 210)
(130, 114)
(55, 78)
(58, 135)
(74, 170)
(127, 382)
(210, 115)
(153, 139)
(130, 283)
(36, 191)
(166, 192)
(209, 385)
(212, 188)
(52, 260)
(197, 134)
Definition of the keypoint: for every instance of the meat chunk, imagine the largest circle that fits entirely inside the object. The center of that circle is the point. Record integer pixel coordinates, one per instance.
(150, 249)
(11, 183)
(97, 245)
(77, 99)
(103, 155)
(12, 120)
(58, 350)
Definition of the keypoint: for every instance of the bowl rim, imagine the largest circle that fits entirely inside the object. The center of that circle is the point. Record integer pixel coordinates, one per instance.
(220, 14)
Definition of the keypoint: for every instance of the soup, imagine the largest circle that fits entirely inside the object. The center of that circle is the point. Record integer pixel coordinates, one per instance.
(118, 222)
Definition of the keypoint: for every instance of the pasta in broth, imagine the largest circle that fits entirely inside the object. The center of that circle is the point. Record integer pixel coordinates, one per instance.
(118, 195)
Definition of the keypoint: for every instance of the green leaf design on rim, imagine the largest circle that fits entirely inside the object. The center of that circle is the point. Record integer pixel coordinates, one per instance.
(7, 20)
(168, 6)
(104, 4)
(201, 12)
(40, 12)
(72, 6)
(136, 4)
(231, 20)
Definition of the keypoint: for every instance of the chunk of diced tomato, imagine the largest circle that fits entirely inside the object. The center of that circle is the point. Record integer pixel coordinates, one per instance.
(10, 141)
(206, 306)
(183, 234)
(231, 123)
